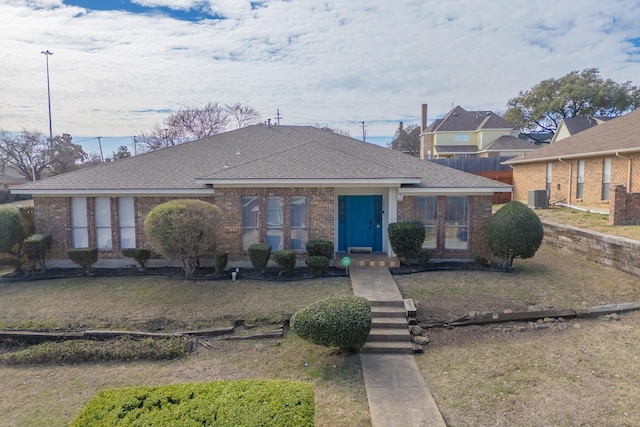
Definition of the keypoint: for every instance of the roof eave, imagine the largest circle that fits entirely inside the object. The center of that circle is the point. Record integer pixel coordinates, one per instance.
(441, 191)
(88, 192)
(572, 156)
(327, 182)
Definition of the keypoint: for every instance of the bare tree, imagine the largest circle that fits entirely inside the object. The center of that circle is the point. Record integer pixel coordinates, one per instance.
(32, 153)
(243, 114)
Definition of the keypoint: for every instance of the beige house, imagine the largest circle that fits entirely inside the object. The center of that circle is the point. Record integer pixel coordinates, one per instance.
(573, 125)
(583, 170)
(280, 185)
(466, 134)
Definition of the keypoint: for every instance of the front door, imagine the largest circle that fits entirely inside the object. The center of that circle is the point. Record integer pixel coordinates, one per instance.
(360, 222)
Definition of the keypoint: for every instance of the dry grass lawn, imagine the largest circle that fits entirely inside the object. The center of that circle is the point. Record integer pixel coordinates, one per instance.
(581, 372)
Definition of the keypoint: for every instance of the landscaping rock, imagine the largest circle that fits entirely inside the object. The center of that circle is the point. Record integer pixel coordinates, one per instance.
(420, 340)
(415, 330)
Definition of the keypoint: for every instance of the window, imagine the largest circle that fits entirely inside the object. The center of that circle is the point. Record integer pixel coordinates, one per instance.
(549, 178)
(299, 231)
(457, 223)
(580, 180)
(275, 223)
(461, 137)
(127, 220)
(606, 178)
(79, 225)
(427, 214)
(250, 221)
(103, 223)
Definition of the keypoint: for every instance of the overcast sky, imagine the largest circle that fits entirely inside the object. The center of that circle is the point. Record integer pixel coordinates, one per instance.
(119, 67)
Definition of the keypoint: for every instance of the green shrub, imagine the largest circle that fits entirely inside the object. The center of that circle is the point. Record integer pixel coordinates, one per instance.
(80, 351)
(139, 254)
(481, 261)
(265, 403)
(11, 229)
(424, 258)
(286, 260)
(514, 231)
(220, 262)
(259, 254)
(28, 218)
(342, 322)
(406, 239)
(84, 257)
(319, 265)
(318, 247)
(36, 247)
(184, 229)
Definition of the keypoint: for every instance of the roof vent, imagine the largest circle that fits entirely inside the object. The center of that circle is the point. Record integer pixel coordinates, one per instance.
(226, 163)
(238, 151)
(488, 113)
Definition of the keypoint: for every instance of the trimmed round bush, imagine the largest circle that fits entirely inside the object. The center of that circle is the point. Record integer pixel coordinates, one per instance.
(318, 265)
(319, 247)
(139, 254)
(259, 254)
(406, 239)
(11, 229)
(286, 260)
(84, 257)
(36, 247)
(514, 231)
(220, 261)
(342, 322)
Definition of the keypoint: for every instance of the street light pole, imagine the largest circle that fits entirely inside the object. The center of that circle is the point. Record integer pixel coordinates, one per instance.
(46, 53)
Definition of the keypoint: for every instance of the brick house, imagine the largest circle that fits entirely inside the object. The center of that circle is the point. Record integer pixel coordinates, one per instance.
(282, 185)
(586, 169)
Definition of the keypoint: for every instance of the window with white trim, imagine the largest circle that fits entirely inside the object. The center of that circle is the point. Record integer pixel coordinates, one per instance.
(580, 180)
(427, 214)
(127, 222)
(457, 223)
(549, 179)
(103, 223)
(79, 223)
(275, 223)
(606, 178)
(250, 221)
(299, 228)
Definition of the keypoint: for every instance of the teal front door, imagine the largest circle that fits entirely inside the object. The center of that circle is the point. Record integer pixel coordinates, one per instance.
(360, 222)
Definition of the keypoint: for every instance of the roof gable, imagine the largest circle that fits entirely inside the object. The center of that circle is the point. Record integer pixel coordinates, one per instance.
(460, 120)
(621, 134)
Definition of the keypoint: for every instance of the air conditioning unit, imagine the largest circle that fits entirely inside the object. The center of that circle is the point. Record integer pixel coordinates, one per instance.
(538, 199)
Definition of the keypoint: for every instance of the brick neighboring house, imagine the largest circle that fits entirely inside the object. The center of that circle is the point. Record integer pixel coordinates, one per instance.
(583, 170)
(466, 134)
(282, 185)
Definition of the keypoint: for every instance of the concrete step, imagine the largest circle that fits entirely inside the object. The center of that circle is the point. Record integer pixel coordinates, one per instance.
(384, 347)
(389, 334)
(388, 311)
(386, 303)
(389, 322)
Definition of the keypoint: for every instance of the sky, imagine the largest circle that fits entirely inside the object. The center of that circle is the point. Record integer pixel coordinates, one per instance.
(120, 67)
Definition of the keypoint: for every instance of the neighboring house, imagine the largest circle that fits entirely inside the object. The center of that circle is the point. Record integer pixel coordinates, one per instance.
(282, 185)
(10, 177)
(573, 125)
(466, 134)
(407, 142)
(582, 170)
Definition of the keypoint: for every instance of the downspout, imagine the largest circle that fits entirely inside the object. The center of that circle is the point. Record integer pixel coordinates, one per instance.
(629, 169)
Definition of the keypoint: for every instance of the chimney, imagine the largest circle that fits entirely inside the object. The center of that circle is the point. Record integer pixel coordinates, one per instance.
(400, 128)
(423, 123)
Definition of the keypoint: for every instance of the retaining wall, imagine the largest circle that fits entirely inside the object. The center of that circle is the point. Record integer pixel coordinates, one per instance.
(611, 251)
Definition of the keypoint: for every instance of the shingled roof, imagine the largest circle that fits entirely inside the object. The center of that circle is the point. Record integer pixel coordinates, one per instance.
(461, 120)
(261, 155)
(619, 135)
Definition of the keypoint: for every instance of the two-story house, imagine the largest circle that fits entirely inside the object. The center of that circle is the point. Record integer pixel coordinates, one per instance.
(465, 134)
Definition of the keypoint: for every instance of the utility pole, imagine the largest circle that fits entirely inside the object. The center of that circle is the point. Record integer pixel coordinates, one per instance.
(278, 116)
(100, 145)
(46, 53)
(364, 133)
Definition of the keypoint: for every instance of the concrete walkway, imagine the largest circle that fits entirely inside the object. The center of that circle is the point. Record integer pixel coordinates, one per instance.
(396, 390)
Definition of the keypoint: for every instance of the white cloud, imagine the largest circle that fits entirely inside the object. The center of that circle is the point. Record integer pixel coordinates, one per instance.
(317, 61)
